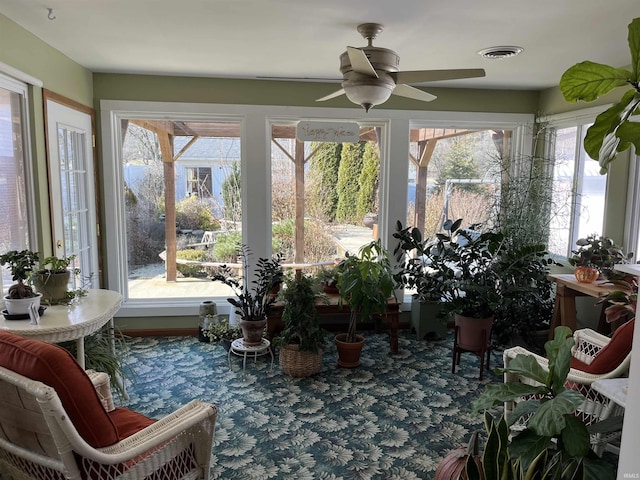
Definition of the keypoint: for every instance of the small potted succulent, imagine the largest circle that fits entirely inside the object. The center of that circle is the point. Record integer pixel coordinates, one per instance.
(20, 295)
(254, 300)
(596, 255)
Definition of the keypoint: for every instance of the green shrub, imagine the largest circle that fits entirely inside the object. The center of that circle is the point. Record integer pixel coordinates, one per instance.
(227, 246)
(195, 214)
(191, 270)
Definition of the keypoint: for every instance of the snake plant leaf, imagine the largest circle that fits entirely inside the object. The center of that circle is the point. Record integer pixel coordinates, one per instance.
(575, 437)
(587, 81)
(550, 418)
(526, 447)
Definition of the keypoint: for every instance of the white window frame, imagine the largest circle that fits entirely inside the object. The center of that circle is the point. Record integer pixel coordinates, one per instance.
(580, 119)
(16, 83)
(255, 122)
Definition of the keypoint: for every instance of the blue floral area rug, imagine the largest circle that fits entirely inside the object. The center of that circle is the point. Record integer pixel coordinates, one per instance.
(394, 417)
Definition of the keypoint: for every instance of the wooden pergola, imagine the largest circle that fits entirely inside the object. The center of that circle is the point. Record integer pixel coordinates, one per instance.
(167, 131)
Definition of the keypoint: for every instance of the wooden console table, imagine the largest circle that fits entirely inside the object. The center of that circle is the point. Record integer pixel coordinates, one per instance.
(392, 315)
(567, 289)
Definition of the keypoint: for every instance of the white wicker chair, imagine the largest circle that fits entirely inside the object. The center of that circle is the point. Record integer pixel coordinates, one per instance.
(38, 440)
(595, 407)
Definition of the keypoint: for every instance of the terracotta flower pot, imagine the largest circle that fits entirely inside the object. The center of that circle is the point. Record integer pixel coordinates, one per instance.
(586, 274)
(252, 331)
(349, 352)
(472, 331)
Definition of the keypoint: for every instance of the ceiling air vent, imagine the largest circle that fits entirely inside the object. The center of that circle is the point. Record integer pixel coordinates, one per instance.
(500, 52)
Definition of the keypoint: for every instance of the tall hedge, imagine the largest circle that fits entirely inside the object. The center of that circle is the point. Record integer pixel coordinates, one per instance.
(368, 181)
(351, 162)
(323, 175)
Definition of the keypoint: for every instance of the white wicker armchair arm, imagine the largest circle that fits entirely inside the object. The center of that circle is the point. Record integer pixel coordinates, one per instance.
(587, 344)
(195, 418)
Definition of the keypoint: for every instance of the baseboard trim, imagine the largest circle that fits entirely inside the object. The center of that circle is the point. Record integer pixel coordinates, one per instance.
(161, 332)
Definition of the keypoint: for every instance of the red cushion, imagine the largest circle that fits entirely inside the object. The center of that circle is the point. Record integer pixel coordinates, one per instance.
(56, 367)
(128, 422)
(614, 352)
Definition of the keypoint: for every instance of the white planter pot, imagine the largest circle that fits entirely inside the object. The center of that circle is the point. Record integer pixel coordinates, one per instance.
(20, 306)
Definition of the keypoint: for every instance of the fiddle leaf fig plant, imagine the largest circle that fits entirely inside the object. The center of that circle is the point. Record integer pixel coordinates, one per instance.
(613, 131)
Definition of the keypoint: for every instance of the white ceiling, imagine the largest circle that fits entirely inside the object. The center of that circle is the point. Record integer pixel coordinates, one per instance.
(296, 39)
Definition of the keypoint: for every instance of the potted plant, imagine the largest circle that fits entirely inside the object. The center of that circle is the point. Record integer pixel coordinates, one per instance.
(254, 299)
(20, 295)
(365, 283)
(621, 303)
(472, 286)
(423, 269)
(223, 333)
(526, 294)
(554, 442)
(596, 255)
(328, 278)
(52, 278)
(301, 340)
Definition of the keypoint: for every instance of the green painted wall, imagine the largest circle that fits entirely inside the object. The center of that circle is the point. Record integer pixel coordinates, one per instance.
(109, 86)
(25, 52)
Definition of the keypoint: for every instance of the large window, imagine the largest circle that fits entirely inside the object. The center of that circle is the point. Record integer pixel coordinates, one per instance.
(182, 206)
(324, 195)
(455, 173)
(579, 191)
(268, 190)
(16, 206)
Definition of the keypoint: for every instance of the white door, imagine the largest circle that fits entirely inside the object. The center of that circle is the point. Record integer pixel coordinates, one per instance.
(72, 187)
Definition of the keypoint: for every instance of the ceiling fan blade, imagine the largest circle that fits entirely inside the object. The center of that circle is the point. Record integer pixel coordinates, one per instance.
(360, 63)
(411, 92)
(420, 76)
(331, 95)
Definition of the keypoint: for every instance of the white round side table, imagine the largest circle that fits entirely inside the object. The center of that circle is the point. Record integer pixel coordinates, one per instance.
(239, 348)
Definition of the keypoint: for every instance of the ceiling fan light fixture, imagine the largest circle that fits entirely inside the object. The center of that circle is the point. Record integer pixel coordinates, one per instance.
(368, 95)
(497, 53)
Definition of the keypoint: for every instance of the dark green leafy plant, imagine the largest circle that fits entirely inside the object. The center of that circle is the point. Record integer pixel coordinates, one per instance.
(613, 131)
(299, 314)
(254, 301)
(599, 252)
(423, 267)
(555, 443)
(472, 285)
(21, 264)
(365, 283)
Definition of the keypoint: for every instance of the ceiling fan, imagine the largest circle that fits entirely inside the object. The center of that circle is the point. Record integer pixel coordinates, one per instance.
(370, 74)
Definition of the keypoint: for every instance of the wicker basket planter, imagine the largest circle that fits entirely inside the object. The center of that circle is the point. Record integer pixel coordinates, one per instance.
(297, 364)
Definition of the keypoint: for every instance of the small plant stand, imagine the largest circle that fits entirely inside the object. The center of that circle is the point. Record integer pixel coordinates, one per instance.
(240, 349)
